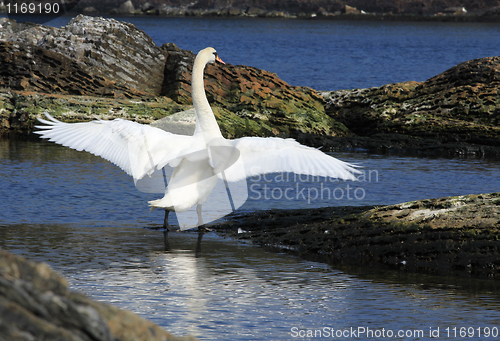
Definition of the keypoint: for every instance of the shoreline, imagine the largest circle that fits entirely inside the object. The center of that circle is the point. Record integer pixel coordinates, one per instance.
(473, 18)
(453, 236)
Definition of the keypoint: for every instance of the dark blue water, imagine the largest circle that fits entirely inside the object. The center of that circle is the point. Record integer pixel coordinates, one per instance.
(329, 55)
(333, 55)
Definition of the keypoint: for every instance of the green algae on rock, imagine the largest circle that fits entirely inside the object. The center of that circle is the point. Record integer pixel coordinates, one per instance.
(255, 100)
(453, 235)
(459, 105)
(18, 110)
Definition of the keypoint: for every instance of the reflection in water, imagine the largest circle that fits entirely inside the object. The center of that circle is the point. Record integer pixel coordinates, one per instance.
(241, 292)
(84, 217)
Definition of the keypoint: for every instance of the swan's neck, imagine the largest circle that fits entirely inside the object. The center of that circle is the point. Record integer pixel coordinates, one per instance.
(205, 119)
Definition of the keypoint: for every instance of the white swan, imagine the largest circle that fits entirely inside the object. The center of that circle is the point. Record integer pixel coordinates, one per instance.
(198, 160)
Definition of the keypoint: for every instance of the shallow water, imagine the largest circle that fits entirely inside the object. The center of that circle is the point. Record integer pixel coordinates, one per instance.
(47, 183)
(232, 291)
(84, 217)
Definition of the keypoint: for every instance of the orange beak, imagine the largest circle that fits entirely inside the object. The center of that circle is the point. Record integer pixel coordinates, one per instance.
(217, 59)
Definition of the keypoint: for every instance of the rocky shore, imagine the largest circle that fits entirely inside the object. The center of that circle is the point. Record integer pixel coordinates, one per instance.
(457, 236)
(451, 10)
(36, 304)
(456, 112)
(102, 68)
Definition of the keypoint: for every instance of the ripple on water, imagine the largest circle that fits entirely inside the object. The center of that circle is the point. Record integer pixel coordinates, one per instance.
(92, 232)
(242, 292)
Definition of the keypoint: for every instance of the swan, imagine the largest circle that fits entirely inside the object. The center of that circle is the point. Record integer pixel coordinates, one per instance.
(198, 161)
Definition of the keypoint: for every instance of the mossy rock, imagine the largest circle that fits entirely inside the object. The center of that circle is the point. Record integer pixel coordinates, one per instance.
(452, 235)
(459, 105)
(18, 110)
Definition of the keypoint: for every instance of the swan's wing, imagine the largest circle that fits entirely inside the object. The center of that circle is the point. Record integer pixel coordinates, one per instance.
(134, 147)
(275, 155)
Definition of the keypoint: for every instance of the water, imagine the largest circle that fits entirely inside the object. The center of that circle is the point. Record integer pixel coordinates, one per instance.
(329, 55)
(231, 291)
(47, 183)
(84, 217)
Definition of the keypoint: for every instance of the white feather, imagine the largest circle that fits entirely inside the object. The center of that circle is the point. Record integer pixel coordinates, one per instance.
(134, 147)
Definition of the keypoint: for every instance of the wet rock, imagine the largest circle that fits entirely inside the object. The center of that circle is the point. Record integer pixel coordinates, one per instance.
(36, 304)
(250, 101)
(18, 110)
(453, 235)
(125, 8)
(387, 9)
(459, 106)
(89, 56)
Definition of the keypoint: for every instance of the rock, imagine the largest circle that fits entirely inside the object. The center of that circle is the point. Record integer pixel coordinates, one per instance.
(387, 9)
(351, 10)
(454, 235)
(125, 8)
(89, 56)
(234, 11)
(458, 106)
(90, 10)
(252, 101)
(455, 10)
(18, 110)
(411, 8)
(145, 7)
(81, 59)
(36, 304)
(255, 11)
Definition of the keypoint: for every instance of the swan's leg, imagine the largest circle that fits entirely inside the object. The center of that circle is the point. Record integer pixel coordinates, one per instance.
(198, 243)
(165, 240)
(165, 221)
(200, 218)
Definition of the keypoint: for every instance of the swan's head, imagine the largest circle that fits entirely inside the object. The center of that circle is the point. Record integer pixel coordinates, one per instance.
(209, 55)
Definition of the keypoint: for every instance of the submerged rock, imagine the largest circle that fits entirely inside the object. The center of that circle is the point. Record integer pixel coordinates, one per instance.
(453, 235)
(36, 304)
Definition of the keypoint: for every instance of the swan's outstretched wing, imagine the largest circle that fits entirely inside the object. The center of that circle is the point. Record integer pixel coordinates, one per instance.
(275, 155)
(134, 147)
